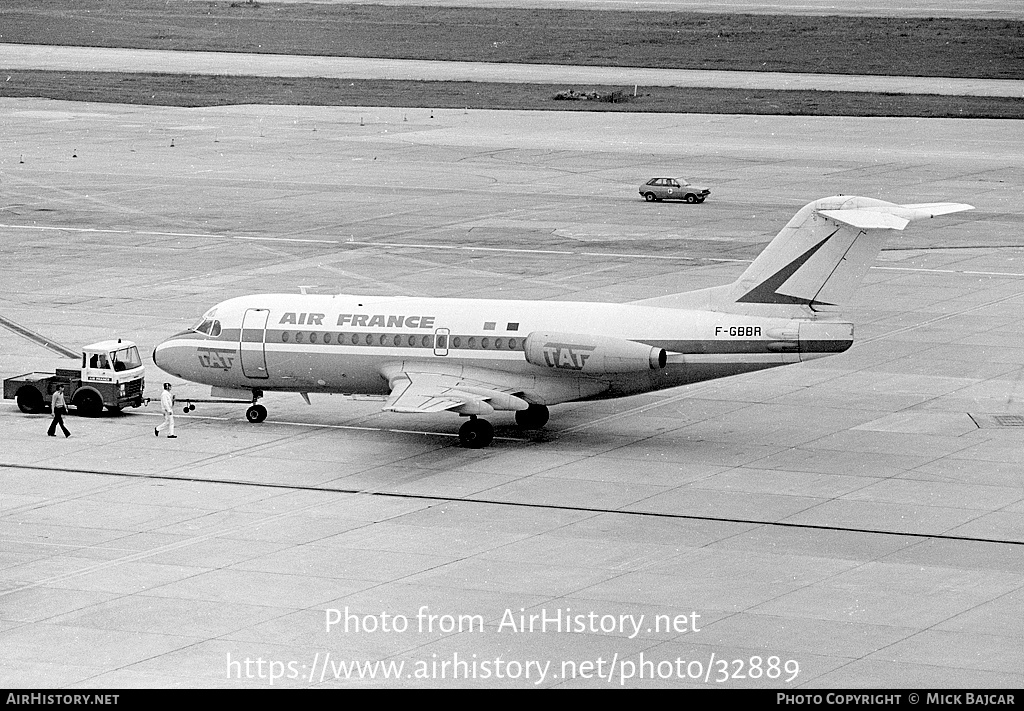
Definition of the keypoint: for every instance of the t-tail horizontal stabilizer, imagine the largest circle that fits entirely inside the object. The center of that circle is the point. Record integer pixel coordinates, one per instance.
(816, 262)
(891, 217)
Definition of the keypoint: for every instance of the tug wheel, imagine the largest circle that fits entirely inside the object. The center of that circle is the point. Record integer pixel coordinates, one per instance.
(30, 401)
(89, 404)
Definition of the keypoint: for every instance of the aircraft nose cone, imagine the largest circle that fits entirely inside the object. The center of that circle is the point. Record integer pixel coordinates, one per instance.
(166, 357)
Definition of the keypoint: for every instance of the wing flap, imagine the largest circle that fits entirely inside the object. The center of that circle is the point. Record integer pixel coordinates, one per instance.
(417, 392)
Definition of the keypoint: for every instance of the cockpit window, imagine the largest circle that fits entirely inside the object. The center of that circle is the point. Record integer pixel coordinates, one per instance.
(208, 326)
(126, 358)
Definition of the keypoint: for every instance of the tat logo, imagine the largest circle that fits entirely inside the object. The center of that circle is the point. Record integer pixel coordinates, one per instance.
(567, 355)
(216, 358)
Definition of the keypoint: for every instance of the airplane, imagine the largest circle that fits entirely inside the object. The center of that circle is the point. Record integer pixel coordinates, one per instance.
(474, 357)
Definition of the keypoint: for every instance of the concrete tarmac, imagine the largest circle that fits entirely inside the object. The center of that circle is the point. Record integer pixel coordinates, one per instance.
(849, 522)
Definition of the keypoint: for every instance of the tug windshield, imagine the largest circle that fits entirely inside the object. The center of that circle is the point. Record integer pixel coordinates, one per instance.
(126, 358)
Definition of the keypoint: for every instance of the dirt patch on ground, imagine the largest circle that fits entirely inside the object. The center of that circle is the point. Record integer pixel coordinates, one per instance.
(201, 90)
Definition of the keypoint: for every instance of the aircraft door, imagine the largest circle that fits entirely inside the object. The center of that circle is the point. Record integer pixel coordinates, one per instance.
(252, 343)
(441, 337)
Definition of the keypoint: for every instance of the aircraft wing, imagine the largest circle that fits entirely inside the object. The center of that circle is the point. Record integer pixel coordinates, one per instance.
(421, 392)
(413, 391)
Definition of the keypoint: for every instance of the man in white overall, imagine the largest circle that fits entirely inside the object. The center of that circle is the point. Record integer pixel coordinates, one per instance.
(167, 405)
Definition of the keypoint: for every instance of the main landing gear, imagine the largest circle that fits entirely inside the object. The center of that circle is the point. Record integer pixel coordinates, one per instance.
(477, 434)
(532, 418)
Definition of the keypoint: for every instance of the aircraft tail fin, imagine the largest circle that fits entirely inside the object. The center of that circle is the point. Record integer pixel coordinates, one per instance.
(816, 262)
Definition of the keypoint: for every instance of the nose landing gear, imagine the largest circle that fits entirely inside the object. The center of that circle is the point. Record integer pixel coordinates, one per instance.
(256, 412)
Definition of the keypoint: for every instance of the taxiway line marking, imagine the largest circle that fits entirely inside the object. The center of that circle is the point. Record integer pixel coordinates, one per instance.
(39, 339)
(950, 271)
(317, 426)
(473, 500)
(389, 245)
(142, 555)
(466, 248)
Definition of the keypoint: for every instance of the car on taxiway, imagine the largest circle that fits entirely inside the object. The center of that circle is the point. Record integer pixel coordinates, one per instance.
(673, 189)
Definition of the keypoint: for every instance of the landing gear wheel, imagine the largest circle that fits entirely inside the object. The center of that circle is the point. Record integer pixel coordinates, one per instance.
(30, 401)
(476, 434)
(256, 413)
(649, 197)
(533, 418)
(691, 198)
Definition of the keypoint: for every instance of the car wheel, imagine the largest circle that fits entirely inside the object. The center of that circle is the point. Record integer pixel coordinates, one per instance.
(691, 198)
(700, 200)
(649, 197)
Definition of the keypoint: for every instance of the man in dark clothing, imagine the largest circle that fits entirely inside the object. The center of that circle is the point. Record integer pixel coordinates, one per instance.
(59, 409)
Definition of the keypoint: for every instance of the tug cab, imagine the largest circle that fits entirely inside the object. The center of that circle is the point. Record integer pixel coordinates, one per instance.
(111, 376)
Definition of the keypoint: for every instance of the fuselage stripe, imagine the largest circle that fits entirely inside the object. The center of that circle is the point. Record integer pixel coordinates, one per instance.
(489, 344)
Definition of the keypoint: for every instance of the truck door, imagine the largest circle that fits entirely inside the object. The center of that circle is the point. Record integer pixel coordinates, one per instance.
(252, 343)
(97, 368)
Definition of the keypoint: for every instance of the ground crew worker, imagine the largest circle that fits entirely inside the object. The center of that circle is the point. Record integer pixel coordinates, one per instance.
(59, 408)
(167, 405)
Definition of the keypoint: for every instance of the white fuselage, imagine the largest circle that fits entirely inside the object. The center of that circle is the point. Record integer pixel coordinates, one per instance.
(343, 344)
